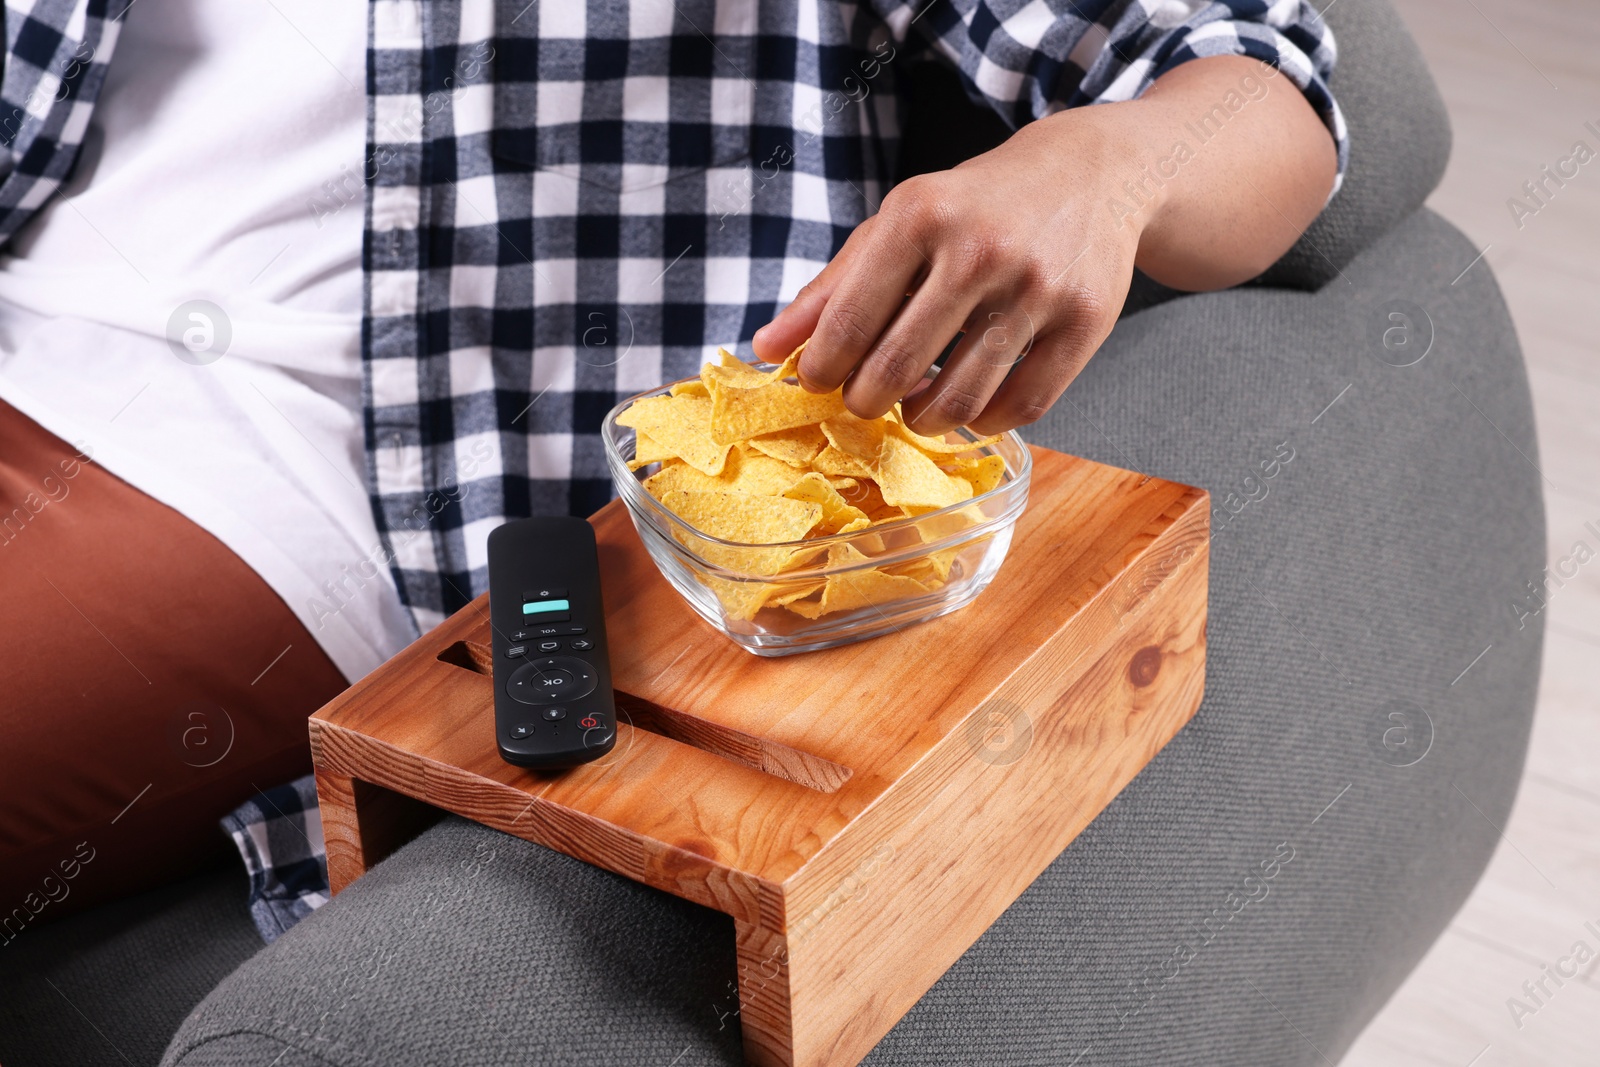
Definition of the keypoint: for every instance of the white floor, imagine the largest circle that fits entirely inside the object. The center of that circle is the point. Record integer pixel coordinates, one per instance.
(1521, 79)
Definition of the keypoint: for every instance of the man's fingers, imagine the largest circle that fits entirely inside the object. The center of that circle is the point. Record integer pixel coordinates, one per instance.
(1036, 382)
(993, 343)
(785, 333)
(866, 295)
(896, 363)
(1056, 356)
(774, 341)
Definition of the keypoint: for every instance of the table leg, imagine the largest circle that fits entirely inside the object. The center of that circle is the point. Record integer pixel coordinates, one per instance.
(362, 823)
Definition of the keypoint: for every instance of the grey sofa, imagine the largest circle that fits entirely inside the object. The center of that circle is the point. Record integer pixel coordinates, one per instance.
(1252, 898)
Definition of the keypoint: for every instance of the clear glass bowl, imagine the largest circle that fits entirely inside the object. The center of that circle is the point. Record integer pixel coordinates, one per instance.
(952, 554)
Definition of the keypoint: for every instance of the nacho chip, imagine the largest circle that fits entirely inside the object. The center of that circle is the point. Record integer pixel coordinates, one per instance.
(938, 528)
(730, 367)
(859, 589)
(796, 446)
(745, 519)
(682, 476)
(798, 592)
(735, 372)
(740, 411)
(932, 570)
(761, 475)
(803, 558)
(743, 599)
(749, 457)
(682, 426)
(740, 600)
(907, 477)
(922, 570)
(836, 511)
(984, 474)
(933, 445)
(831, 461)
(751, 473)
(647, 450)
(859, 439)
(845, 554)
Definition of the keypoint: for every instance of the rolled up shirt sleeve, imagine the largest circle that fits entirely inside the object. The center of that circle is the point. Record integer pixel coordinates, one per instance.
(1031, 58)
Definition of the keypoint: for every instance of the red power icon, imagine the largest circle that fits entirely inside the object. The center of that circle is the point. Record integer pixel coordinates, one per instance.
(588, 722)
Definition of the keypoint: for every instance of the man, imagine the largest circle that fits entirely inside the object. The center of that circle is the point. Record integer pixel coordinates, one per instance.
(252, 446)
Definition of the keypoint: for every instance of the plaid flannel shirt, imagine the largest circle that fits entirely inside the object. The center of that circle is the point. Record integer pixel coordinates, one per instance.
(279, 836)
(573, 200)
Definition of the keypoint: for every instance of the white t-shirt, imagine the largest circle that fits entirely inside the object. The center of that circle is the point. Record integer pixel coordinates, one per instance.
(223, 165)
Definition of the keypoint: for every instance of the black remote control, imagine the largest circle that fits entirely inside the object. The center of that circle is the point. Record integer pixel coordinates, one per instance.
(552, 679)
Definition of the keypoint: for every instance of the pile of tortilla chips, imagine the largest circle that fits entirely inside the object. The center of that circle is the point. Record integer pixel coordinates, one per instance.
(748, 457)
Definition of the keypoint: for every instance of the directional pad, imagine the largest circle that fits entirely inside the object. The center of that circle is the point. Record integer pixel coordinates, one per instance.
(552, 680)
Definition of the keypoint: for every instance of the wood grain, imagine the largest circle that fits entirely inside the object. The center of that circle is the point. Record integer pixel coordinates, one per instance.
(914, 881)
(863, 813)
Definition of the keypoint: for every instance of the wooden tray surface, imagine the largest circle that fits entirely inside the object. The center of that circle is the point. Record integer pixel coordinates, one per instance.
(946, 764)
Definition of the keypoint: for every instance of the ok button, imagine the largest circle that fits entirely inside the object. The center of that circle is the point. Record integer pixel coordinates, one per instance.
(551, 680)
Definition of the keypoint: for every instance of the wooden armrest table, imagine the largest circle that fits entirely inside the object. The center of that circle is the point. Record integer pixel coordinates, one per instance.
(863, 813)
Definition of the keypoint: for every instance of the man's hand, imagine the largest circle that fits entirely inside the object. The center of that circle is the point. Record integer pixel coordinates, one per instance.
(1029, 249)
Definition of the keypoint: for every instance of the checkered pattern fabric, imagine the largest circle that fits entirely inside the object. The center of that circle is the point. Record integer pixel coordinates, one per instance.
(279, 834)
(573, 200)
(56, 56)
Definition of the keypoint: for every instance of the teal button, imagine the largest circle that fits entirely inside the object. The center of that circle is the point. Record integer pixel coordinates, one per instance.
(535, 606)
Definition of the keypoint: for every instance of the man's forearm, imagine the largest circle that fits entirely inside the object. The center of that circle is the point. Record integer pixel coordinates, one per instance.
(1226, 165)
(1027, 251)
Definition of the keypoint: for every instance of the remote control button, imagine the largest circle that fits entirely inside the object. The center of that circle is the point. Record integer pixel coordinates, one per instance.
(588, 722)
(521, 730)
(582, 644)
(546, 631)
(552, 680)
(549, 646)
(547, 593)
(561, 615)
(550, 609)
(554, 714)
(516, 650)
